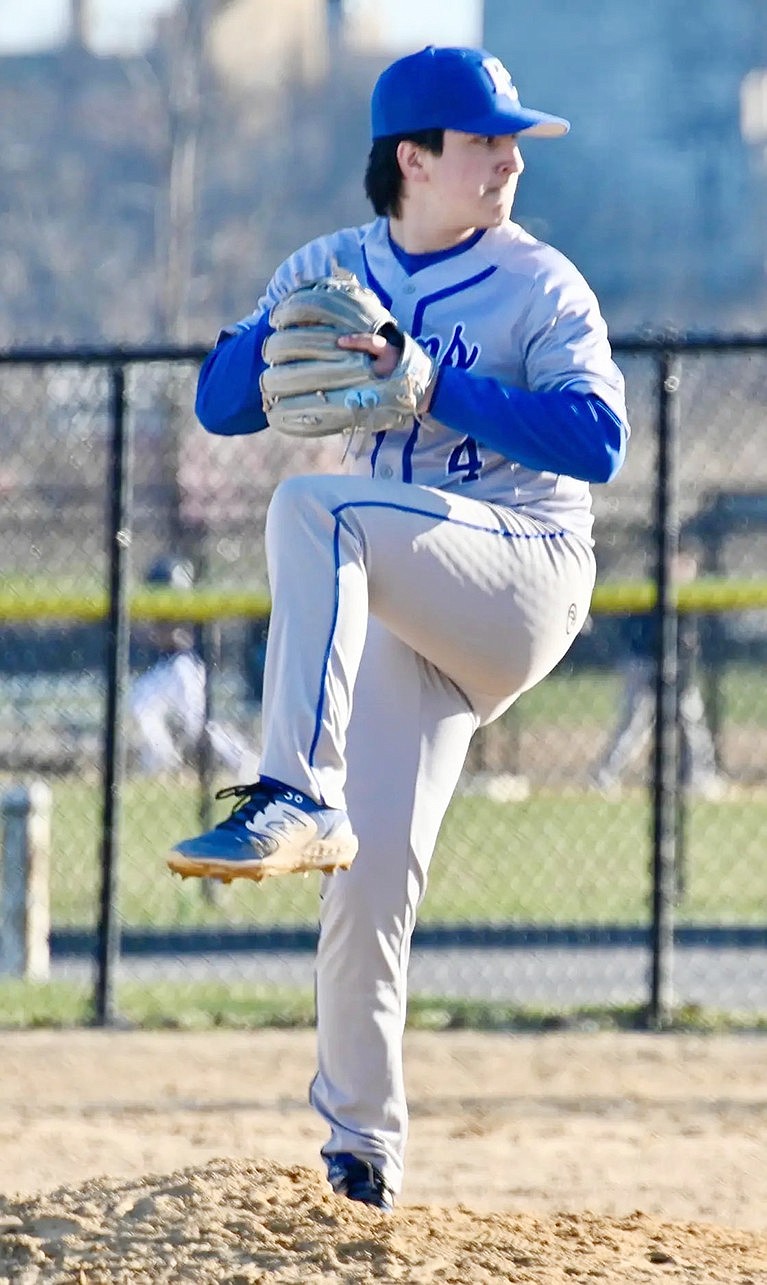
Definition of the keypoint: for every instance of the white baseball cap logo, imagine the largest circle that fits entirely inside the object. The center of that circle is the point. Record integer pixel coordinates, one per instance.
(501, 78)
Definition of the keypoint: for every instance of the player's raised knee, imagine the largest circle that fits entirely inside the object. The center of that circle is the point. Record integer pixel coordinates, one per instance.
(297, 497)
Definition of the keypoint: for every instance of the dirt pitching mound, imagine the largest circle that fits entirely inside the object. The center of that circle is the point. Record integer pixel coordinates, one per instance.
(242, 1222)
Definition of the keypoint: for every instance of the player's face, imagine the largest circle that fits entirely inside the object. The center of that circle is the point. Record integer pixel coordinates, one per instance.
(475, 178)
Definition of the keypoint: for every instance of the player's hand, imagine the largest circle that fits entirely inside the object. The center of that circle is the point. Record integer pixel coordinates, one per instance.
(385, 355)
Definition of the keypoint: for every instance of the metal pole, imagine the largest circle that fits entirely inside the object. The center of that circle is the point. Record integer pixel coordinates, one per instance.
(666, 744)
(119, 540)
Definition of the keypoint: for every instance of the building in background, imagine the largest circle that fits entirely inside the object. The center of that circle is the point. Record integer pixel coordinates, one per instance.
(249, 45)
(250, 39)
(401, 26)
(656, 194)
(230, 132)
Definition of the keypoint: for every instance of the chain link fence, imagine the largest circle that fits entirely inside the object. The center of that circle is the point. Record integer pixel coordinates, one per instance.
(542, 889)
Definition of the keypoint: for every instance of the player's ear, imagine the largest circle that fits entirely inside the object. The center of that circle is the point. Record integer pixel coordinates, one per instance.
(410, 158)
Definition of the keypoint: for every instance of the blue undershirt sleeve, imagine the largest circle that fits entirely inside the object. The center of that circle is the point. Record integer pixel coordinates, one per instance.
(228, 393)
(576, 434)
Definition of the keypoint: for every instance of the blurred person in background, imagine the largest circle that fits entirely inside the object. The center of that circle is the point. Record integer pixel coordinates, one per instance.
(633, 730)
(167, 702)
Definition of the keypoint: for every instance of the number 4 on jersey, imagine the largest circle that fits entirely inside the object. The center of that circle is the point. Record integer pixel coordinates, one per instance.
(465, 458)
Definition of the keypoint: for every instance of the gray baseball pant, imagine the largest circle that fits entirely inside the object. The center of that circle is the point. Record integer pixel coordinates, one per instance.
(403, 617)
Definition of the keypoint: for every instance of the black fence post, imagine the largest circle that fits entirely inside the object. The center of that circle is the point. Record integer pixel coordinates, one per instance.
(665, 784)
(117, 659)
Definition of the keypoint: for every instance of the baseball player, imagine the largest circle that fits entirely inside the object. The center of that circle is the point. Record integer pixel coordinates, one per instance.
(167, 701)
(416, 595)
(636, 720)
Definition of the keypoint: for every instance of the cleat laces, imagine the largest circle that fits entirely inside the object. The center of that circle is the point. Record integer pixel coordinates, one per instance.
(257, 800)
(252, 799)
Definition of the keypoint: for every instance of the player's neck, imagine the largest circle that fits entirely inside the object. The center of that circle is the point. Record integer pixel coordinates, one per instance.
(415, 236)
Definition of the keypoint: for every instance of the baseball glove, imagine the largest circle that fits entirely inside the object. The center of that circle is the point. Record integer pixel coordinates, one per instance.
(312, 388)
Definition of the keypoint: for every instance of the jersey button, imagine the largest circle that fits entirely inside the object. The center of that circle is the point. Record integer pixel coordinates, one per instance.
(386, 471)
(408, 289)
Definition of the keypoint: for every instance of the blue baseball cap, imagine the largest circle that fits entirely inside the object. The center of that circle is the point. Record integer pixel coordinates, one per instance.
(449, 88)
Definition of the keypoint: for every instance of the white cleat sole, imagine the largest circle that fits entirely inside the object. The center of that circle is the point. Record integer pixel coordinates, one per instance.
(327, 857)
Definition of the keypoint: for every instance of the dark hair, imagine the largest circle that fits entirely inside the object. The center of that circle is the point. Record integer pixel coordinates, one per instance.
(383, 176)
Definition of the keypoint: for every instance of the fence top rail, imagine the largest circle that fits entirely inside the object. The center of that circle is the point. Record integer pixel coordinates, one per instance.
(116, 355)
(107, 356)
(671, 343)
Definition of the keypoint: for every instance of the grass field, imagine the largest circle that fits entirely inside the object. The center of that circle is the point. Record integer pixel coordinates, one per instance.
(550, 859)
(571, 698)
(212, 1005)
(563, 855)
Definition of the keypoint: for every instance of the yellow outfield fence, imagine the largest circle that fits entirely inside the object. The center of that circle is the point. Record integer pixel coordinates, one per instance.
(708, 594)
(198, 606)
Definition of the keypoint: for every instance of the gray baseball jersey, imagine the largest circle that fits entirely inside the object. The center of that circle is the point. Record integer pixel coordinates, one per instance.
(510, 307)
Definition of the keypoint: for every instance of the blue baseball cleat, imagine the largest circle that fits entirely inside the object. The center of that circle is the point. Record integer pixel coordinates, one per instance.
(274, 830)
(359, 1180)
